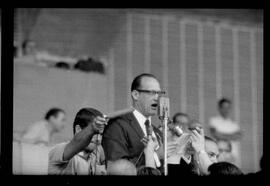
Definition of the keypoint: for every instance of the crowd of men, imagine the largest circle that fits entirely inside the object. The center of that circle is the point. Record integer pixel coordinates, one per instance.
(130, 144)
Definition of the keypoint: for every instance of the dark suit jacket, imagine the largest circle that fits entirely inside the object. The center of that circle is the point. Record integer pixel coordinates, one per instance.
(122, 139)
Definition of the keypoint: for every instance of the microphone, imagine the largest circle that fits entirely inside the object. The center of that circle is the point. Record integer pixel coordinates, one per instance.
(163, 113)
(163, 107)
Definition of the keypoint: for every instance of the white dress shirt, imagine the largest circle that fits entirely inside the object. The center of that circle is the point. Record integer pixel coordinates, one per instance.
(141, 120)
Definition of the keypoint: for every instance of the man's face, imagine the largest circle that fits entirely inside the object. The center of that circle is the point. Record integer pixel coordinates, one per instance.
(224, 150)
(225, 109)
(212, 150)
(182, 121)
(30, 48)
(95, 142)
(59, 121)
(147, 103)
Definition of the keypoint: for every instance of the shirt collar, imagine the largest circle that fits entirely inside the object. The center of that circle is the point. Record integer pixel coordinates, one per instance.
(140, 117)
(186, 158)
(224, 119)
(84, 155)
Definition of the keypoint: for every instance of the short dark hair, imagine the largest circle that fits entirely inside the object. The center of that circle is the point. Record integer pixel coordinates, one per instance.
(179, 114)
(223, 100)
(84, 117)
(136, 83)
(224, 168)
(148, 171)
(53, 112)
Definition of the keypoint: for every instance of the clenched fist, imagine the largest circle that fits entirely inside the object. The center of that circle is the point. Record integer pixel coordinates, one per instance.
(99, 124)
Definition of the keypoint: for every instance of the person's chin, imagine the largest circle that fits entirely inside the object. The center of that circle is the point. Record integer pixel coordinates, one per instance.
(89, 150)
(152, 113)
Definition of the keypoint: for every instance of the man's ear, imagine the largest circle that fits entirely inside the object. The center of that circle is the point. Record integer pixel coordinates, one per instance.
(135, 95)
(77, 129)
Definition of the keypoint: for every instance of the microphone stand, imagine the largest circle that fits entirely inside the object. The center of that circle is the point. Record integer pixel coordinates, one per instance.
(165, 119)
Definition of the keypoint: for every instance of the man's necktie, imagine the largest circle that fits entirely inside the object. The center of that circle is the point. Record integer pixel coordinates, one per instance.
(149, 131)
(148, 128)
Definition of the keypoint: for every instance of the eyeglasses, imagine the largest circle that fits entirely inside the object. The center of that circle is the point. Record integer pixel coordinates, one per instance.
(152, 92)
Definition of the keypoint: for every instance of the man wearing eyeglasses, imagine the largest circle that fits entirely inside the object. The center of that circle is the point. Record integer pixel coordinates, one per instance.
(122, 137)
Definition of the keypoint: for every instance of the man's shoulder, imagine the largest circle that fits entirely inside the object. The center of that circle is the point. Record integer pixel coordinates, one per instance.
(40, 123)
(124, 118)
(215, 120)
(119, 123)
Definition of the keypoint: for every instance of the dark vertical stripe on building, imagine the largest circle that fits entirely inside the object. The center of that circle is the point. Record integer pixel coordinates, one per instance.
(209, 55)
(120, 68)
(174, 75)
(192, 69)
(156, 48)
(245, 98)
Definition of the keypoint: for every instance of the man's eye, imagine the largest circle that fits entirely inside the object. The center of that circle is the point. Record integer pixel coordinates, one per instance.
(211, 155)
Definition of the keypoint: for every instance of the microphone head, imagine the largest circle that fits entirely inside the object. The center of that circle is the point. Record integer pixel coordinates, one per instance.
(163, 107)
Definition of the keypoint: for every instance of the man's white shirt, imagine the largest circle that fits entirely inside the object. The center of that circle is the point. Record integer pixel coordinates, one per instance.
(141, 120)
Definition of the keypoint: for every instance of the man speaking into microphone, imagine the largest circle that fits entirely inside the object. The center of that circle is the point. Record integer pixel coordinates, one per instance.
(122, 137)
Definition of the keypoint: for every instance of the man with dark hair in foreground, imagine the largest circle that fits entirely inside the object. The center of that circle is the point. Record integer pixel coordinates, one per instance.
(82, 155)
(224, 169)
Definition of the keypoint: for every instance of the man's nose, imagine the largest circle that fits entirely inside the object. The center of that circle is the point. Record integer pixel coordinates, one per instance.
(156, 97)
(214, 160)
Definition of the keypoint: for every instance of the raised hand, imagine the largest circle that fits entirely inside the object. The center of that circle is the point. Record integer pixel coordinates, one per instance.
(99, 124)
(197, 139)
(150, 143)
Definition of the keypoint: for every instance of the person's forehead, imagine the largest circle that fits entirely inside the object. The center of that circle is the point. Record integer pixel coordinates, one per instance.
(181, 117)
(61, 115)
(225, 105)
(223, 145)
(149, 83)
(211, 146)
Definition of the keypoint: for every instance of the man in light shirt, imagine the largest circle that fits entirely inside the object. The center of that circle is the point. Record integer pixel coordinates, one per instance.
(82, 155)
(42, 131)
(222, 127)
(122, 138)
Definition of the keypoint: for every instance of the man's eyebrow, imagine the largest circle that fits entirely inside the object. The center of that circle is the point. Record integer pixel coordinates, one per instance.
(212, 153)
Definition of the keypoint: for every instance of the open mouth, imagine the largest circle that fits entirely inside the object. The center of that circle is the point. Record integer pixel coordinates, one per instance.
(154, 105)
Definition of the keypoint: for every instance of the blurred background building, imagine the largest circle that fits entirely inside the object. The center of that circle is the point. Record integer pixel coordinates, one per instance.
(199, 55)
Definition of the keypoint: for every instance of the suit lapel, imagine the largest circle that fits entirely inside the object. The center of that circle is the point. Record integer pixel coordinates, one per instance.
(135, 125)
(137, 128)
